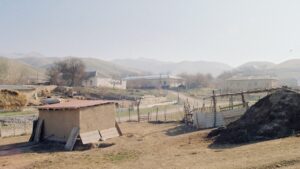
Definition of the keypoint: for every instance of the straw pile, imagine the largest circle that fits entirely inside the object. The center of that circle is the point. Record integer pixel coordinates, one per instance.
(11, 100)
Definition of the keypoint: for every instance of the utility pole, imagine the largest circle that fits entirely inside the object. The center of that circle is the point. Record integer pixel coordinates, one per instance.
(177, 95)
(138, 109)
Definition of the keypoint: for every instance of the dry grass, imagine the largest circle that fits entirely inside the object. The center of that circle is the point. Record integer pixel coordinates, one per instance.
(12, 100)
(161, 146)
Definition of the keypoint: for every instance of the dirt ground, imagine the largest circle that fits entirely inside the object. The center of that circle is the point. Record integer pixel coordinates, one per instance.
(150, 146)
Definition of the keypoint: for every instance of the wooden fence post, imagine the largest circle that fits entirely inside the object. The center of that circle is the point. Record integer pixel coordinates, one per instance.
(243, 99)
(214, 108)
(178, 99)
(156, 114)
(129, 113)
(165, 114)
(138, 109)
(120, 109)
(231, 102)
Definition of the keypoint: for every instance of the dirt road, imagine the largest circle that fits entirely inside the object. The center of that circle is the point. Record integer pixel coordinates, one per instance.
(163, 146)
(183, 97)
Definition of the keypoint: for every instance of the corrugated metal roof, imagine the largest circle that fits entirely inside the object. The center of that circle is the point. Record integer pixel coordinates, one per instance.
(75, 104)
(151, 77)
(253, 78)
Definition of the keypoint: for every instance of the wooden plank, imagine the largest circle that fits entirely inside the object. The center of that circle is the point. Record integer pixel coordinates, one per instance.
(90, 137)
(72, 139)
(38, 131)
(215, 108)
(119, 129)
(34, 124)
(109, 133)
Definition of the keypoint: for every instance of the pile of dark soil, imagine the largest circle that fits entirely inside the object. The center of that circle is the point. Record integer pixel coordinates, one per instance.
(274, 116)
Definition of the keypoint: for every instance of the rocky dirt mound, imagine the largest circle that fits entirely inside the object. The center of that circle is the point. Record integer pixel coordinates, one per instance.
(274, 116)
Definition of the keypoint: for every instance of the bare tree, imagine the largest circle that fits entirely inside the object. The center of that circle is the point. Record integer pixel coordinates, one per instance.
(69, 72)
(54, 74)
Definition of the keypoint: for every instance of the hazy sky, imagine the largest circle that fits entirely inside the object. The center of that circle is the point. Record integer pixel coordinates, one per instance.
(230, 31)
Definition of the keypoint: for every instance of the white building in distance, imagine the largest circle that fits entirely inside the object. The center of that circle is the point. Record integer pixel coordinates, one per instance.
(93, 79)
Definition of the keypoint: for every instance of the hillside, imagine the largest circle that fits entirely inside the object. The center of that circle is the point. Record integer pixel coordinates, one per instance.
(157, 67)
(29, 64)
(13, 72)
(287, 69)
(107, 69)
(256, 65)
(288, 72)
(39, 62)
(292, 64)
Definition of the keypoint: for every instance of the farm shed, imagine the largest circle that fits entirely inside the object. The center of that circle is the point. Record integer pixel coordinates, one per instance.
(88, 115)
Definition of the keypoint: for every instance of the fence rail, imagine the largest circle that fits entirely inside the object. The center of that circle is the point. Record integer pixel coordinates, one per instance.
(153, 114)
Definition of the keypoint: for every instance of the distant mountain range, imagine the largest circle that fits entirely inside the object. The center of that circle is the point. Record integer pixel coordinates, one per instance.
(160, 67)
(18, 67)
(288, 72)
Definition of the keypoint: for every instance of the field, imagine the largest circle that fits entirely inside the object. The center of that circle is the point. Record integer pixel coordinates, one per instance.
(146, 145)
(18, 113)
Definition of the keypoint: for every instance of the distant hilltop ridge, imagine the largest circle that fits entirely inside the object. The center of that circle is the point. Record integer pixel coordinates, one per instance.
(34, 64)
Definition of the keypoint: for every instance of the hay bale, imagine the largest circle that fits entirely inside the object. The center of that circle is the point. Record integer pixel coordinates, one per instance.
(45, 93)
(12, 100)
(274, 116)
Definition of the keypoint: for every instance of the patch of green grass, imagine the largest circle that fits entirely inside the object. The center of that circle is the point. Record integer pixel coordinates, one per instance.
(16, 113)
(121, 156)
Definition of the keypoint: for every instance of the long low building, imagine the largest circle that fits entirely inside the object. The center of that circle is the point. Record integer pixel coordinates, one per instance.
(153, 81)
(236, 84)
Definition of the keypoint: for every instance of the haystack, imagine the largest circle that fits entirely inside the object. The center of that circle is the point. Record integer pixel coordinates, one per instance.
(274, 116)
(11, 100)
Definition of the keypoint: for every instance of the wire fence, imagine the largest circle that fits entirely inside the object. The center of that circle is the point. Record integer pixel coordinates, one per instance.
(153, 114)
(22, 125)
